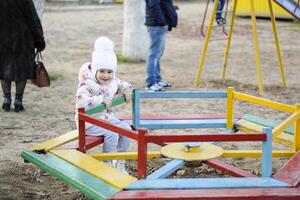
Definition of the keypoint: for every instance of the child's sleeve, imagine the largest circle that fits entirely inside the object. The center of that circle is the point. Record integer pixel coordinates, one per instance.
(86, 99)
(123, 85)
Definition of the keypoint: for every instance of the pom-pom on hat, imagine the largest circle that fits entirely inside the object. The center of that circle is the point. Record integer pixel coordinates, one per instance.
(104, 56)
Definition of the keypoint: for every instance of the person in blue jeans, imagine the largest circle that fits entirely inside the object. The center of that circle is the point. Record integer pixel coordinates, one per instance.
(219, 19)
(161, 17)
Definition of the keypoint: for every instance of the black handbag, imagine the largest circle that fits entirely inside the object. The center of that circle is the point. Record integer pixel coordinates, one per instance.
(41, 75)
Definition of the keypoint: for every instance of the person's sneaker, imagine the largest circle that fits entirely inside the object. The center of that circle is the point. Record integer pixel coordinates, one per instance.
(120, 165)
(155, 88)
(164, 84)
(221, 21)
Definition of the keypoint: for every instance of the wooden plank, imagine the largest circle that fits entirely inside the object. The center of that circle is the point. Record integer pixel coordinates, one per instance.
(183, 94)
(90, 142)
(266, 159)
(101, 107)
(286, 123)
(124, 155)
(228, 169)
(265, 122)
(91, 186)
(224, 194)
(290, 172)
(98, 169)
(107, 125)
(205, 137)
(205, 183)
(55, 142)
(183, 124)
(249, 127)
(256, 153)
(264, 102)
(176, 117)
(166, 170)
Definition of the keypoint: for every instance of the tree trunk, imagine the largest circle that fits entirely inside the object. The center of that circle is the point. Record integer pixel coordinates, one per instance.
(135, 39)
(39, 6)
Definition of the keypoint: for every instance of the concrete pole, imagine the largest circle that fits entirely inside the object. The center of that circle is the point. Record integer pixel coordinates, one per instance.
(135, 36)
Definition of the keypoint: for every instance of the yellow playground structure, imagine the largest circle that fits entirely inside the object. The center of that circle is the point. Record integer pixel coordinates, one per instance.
(262, 9)
(289, 5)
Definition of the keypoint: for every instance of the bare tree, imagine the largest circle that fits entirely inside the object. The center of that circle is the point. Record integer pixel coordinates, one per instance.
(39, 6)
(135, 39)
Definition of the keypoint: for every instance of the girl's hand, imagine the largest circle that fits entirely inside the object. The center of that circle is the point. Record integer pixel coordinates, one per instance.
(126, 92)
(107, 102)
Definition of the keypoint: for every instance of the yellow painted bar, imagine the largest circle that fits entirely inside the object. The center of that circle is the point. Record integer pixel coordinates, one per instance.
(55, 142)
(275, 32)
(256, 153)
(96, 168)
(205, 47)
(264, 102)
(256, 48)
(286, 123)
(250, 127)
(297, 131)
(288, 139)
(230, 108)
(229, 39)
(124, 155)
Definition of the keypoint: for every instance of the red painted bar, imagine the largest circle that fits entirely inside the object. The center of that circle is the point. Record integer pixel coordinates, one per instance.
(205, 138)
(224, 194)
(142, 154)
(81, 130)
(91, 141)
(108, 126)
(228, 169)
(290, 172)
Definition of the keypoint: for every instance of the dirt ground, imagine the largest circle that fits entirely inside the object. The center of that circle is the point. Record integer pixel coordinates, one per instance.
(70, 32)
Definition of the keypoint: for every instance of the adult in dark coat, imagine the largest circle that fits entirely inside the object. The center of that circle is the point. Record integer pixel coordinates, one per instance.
(161, 17)
(21, 34)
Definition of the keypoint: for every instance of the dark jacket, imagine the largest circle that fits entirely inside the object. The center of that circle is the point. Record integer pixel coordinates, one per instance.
(160, 13)
(20, 33)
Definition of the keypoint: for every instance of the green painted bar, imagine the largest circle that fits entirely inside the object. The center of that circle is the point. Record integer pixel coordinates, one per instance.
(101, 107)
(91, 186)
(265, 122)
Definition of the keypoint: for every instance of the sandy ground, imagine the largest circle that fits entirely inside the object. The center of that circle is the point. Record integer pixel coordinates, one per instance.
(70, 33)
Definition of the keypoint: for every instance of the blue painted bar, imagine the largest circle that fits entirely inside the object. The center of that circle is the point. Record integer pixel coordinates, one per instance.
(136, 109)
(183, 94)
(166, 170)
(183, 124)
(267, 154)
(205, 183)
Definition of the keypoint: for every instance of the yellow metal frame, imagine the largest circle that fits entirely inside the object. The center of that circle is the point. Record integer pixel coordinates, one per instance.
(255, 41)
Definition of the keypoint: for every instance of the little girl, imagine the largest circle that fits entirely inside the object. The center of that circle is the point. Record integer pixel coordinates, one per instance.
(98, 84)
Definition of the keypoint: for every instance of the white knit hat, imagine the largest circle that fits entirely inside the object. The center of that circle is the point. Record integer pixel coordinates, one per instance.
(104, 56)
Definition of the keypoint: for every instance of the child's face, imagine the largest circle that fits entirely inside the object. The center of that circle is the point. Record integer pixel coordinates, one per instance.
(104, 76)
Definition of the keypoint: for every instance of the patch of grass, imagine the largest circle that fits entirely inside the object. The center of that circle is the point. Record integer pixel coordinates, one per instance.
(55, 76)
(123, 59)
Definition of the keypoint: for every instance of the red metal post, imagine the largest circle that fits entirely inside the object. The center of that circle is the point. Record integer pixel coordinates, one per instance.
(142, 154)
(81, 131)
